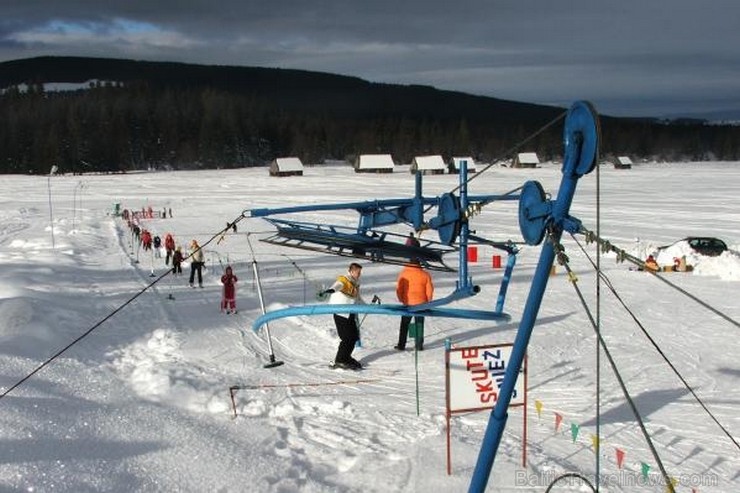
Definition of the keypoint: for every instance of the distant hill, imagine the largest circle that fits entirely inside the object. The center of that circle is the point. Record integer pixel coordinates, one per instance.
(137, 114)
(289, 89)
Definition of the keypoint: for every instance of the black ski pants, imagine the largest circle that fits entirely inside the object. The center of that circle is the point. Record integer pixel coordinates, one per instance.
(196, 267)
(403, 332)
(348, 336)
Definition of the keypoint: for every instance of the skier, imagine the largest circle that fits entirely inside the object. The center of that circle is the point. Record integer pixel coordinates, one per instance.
(197, 260)
(413, 287)
(177, 261)
(157, 247)
(146, 239)
(346, 291)
(169, 246)
(228, 301)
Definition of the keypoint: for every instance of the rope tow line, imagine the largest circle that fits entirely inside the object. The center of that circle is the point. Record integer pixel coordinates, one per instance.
(622, 255)
(514, 148)
(110, 315)
(609, 284)
(562, 259)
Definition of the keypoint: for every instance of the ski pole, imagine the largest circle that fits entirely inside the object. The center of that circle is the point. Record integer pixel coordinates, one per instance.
(375, 299)
(273, 363)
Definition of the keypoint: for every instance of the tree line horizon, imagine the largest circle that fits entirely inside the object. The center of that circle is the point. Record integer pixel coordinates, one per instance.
(160, 115)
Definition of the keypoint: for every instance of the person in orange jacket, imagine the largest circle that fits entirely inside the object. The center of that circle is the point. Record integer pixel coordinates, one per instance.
(652, 264)
(413, 287)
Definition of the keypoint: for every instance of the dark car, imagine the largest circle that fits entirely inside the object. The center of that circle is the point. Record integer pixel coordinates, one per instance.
(711, 247)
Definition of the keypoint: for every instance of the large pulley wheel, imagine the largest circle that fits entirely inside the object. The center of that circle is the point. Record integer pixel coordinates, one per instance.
(532, 212)
(450, 218)
(581, 138)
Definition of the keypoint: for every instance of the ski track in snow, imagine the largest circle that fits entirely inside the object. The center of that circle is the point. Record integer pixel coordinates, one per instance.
(142, 404)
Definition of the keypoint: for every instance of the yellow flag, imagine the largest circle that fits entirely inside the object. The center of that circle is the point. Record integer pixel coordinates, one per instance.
(595, 443)
(538, 407)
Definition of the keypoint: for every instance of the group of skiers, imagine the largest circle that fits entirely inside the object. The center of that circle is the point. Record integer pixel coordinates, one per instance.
(174, 253)
(144, 213)
(414, 286)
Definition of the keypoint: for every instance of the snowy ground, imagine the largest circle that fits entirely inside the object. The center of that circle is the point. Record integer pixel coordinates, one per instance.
(142, 403)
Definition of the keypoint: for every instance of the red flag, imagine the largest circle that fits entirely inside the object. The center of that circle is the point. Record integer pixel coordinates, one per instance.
(558, 420)
(620, 458)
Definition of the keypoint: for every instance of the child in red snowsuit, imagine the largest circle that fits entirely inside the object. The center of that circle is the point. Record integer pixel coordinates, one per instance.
(146, 240)
(228, 302)
(169, 245)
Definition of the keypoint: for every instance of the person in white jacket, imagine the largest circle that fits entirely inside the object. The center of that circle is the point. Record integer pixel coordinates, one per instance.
(197, 260)
(346, 291)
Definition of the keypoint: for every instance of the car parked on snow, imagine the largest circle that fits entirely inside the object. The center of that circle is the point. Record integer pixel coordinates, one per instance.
(703, 245)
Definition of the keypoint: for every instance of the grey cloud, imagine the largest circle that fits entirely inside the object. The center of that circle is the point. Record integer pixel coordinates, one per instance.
(623, 55)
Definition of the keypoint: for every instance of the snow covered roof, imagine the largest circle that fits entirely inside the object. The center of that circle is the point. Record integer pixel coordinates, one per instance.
(429, 162)
(375, 161)
(470, 162)
(528, 158)
(288, 164)
(624, 160)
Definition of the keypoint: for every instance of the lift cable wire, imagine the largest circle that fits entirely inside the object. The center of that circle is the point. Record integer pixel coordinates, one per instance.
(514, 148)
(114, 312)
(673, 367)
(622, 255)
(563, 260)
(598, 324)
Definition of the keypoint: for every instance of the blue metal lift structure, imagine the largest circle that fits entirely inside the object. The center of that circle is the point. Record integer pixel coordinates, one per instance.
(539, 218)
(368, 241)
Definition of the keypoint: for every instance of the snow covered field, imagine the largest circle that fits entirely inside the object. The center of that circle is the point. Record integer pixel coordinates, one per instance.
(142, 403)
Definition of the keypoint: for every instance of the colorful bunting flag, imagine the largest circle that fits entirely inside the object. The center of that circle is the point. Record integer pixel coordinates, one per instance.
(620, 458)
(595, 443)
(645, 470)
(574, 428)
(671, 488)
(558, 420)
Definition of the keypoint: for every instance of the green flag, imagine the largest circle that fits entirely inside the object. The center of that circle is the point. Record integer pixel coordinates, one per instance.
(574, 428)
(645, 470)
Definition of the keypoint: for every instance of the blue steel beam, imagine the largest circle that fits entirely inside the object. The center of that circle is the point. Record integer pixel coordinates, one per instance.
(581, 149)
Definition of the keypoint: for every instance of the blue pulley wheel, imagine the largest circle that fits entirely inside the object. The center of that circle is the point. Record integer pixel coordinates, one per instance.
(533, 212)
(450, 218)
(581, 138)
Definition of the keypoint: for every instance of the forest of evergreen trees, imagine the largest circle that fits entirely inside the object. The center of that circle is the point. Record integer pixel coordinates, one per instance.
(135, 124)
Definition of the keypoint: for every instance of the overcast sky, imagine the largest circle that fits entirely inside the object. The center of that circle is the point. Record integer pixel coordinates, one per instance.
(628, 57)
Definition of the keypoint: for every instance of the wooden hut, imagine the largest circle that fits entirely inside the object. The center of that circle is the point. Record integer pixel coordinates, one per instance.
(455, 164)
(428, 165)
(622, 162)
(374, 163)
(286, 166)
(526, 160)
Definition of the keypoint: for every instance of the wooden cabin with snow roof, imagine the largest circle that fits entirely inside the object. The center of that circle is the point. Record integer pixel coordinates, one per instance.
(286, 166)
(428, 165)
(454, 165)
(525, 160)
(622, 162)
(374, 163)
